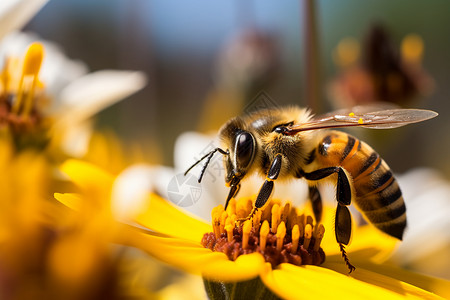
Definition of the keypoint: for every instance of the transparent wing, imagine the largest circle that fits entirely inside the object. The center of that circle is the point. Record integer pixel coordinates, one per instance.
(365, 117)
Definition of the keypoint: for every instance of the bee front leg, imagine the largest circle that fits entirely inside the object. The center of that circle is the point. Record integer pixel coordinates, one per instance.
(233, 192)
(267, 188)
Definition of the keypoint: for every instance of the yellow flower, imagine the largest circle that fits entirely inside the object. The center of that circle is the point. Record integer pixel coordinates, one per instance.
(46, 250)
(174, 237)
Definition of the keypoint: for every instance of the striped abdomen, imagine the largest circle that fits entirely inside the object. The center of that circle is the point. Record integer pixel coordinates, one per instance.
(378, 195)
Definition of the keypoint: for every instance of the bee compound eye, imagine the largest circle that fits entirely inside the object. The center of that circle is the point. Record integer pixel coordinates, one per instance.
(245, 147)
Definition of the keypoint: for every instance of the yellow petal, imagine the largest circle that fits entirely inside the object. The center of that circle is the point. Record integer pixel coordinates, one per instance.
(193, 257)
(438, 286)
(164, 217)
(86, 175)
(245, 267)
(70, 200)
(376, 245)
(311, 282)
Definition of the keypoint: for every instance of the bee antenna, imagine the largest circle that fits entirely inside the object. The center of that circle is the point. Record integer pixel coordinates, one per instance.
(208, 157)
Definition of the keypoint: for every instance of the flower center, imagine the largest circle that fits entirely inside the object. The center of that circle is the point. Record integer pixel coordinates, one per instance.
(20, 89)
(281, 233)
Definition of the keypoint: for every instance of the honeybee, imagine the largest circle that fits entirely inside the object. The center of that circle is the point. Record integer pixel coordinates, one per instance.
(288, 143)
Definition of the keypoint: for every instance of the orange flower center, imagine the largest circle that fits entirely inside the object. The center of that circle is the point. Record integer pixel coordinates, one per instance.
(281, 233)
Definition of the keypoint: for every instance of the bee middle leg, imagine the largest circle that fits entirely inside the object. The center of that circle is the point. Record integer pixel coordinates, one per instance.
(267, 188)
(316, 202)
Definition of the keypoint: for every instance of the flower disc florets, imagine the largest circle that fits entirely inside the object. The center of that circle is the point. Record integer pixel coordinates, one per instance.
(279, 232)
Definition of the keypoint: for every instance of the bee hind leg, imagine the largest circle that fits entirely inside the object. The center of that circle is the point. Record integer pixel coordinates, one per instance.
(343, 230)
(343, 220)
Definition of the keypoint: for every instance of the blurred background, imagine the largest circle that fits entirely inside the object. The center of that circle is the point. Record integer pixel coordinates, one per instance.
(206, 60)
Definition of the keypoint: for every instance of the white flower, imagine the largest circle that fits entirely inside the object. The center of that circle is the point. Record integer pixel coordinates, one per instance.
(14, 14)
(75, 94)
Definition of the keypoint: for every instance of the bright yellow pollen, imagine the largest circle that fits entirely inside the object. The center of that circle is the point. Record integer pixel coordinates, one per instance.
(231, 208)
(246, 233)
(33, 59)
(360, 121)
(281, 233)
(29, 79)
(275, 217)
(352, 114)
(263, 235)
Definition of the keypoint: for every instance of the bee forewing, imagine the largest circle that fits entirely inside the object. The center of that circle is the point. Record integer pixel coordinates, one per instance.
(394, 118)
(382, 119)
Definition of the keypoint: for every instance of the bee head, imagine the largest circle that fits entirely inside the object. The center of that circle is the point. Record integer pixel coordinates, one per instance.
(241, 146)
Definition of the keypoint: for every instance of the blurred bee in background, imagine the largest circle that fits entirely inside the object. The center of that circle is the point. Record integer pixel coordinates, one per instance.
(282, 144)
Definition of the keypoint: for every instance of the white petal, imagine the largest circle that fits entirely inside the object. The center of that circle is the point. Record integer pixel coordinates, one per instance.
(75, 139)
(92, 93)
(190, 147)
(57, 70)
(16, 13)
(427, 198)
(132, 186)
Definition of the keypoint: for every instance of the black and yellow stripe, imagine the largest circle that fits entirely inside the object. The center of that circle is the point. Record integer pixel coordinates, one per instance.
(378, 195)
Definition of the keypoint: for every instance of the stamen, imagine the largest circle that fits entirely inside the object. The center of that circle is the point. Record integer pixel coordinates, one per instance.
(233, 219)
(243, 208)
(246, 233)
(292, 218)
(281, 233)
(282, 237)
(31, 66)
(256, 221)
(275, 217)
(285, 212)
(213, 219)
(319, 236)
(295, 238)
(301, 219)
(216, 220)
(223, 217)
(33, 59)
(308, 235)
(263, 235)
(231, 209)
(229, 227)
